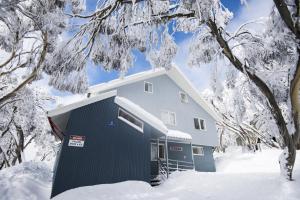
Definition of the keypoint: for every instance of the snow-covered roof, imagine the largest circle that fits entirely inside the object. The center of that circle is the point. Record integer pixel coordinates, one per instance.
(126, 80)
(176, 134)
(87, 101)
(151, 119)
(174, 73)
(141, 113)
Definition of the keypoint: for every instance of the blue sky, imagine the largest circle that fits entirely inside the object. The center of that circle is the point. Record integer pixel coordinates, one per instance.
(199, 76)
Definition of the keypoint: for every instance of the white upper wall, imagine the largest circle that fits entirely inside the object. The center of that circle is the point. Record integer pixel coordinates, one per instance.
(167, 86)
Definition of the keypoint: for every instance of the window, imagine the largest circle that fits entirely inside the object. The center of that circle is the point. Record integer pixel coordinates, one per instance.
(148, 87)
(198, 151)
(183, 97)
(130, 119)
(199, 124)
(168, 117)
(161, 151)
(153, 152)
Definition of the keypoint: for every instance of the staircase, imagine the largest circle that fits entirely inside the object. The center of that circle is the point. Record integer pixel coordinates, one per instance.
(165, 171)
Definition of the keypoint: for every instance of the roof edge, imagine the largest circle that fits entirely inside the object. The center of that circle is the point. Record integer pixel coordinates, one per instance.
(175, 72)
(81, 103)
(126, 80)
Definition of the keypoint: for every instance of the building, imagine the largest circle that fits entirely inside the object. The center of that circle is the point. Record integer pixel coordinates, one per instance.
(141, 127)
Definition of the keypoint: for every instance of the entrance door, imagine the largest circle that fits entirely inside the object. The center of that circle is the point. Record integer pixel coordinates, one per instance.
(157, 153)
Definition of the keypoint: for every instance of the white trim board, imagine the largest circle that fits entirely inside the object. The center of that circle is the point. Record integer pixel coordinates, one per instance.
(87, 101)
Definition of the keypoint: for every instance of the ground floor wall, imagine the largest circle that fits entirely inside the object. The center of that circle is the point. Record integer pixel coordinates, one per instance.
(180, 155)
(205, 162)
(113, 151)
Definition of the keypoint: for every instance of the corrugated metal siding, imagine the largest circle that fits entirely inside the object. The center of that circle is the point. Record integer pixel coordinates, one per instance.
(184, 155)
(205, 163)
(113, 151)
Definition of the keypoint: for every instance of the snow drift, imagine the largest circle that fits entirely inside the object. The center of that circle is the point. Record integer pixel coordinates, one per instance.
(240, 176)
(27, 181)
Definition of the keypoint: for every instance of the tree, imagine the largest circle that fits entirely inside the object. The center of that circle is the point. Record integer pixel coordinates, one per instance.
(117, 27)
(30, 34)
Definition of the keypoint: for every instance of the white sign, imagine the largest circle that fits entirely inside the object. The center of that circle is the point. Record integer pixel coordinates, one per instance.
(76, 141)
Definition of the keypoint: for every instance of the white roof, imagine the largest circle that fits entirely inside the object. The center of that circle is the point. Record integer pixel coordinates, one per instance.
(67, 108)
(141, 113)
(175, 134)
(174, 73)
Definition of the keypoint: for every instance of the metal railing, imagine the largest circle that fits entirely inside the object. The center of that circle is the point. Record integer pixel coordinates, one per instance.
(163, 170)
(178, 165)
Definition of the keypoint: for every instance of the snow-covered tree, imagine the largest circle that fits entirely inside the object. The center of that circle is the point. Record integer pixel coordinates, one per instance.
(109, 35)
(117, 27)
(30, 35)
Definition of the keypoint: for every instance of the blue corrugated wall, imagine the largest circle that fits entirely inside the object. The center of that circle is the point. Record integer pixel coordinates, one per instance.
(113, 151)
(206, 162)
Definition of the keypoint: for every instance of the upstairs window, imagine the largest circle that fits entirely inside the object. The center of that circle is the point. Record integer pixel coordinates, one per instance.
(131, 120)
(148, 87)
(168, 117)
(199, 124)
(198, 151)
(183, 97)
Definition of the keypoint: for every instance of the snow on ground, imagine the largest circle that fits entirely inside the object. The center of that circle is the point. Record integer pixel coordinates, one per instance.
(27, 181)
(240, 176)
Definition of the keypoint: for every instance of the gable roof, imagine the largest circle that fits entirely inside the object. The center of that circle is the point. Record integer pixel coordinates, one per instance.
(174, 73)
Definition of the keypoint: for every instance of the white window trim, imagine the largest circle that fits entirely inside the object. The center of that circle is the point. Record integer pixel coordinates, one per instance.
(153, 143)
(141, 129)
(200, 154)
(187, 98)
(200, 123)
(175, 124)
(145, 88)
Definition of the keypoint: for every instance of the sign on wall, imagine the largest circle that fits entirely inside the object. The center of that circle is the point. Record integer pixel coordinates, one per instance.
(76, 141)
(176, 148)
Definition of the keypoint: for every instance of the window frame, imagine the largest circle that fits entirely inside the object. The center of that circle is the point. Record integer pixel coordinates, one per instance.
(163, 145)
(157, 152)
(153, 144)
(201, 151)
(182, 100)
(169, 112)
(146, 82)
(199, 119)
(141, 129)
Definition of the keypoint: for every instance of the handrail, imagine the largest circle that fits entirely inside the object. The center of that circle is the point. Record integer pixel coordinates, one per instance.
(180, 165)
(181, 161)
(162, 171)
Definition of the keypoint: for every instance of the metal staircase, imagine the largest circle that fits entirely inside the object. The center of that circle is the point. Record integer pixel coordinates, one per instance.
(165, 170)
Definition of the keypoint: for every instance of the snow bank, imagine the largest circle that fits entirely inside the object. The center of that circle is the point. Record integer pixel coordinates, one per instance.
(240, 176)
(234, 161)
(27, 181)
(258, 183)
